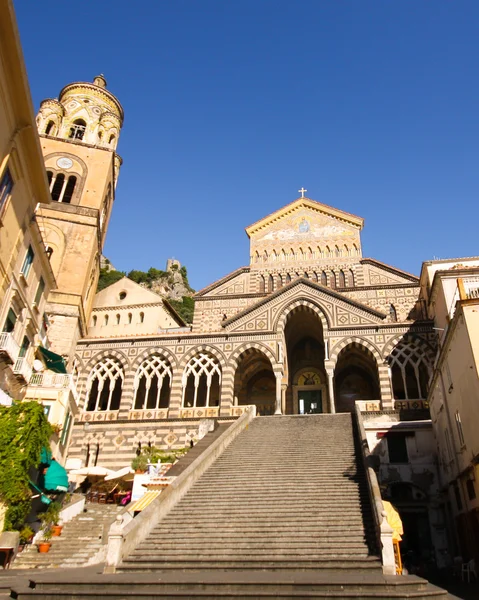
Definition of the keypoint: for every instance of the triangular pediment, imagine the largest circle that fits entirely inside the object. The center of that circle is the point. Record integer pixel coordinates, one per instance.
(338, 310)
(321, 214)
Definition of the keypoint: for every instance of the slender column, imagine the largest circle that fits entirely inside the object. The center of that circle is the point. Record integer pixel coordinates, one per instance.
(279, 379)
(332, 404)
(385, 386)
(228, 396)
(284, 387)
(176, 395)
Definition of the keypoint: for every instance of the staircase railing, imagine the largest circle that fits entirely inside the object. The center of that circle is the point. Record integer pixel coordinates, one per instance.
(126, 534)
(384, 532)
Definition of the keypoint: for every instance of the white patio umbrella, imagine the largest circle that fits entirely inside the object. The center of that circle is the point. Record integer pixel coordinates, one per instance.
(94, 470)
(127, 474)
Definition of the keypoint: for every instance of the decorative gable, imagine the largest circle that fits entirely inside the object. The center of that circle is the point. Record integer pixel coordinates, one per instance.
(336, 310)
(305, 230)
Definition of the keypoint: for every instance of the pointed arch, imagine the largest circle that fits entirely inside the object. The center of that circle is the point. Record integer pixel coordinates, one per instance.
(324, 278)
(341, 279)
(201, 381)
(291, 254)
(270, 283)
(152, 383)
(261, 284)
(351, 278)
(283, 254)
(392, 314)
(104, 385)
(310, 253)
(332, 280)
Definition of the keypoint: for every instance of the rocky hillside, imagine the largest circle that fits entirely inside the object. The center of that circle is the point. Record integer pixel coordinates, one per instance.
(171, 284)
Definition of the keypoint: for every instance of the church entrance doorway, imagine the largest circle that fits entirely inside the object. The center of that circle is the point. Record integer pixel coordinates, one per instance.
(307, 391)
(310, 402)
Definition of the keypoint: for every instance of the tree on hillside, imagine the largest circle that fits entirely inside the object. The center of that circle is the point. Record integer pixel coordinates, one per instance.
(108, 278)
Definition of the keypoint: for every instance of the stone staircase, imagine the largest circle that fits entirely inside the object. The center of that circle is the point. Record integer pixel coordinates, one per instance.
(288, 493)
(284, 512)
(78, 545)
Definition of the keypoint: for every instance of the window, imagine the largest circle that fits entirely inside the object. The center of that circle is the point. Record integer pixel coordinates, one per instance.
(10, 321)
(409, 369)
(471, 492)
(392, 314)
(270, 283)
(104, 386)
(130, 317)
(27, 263)
(40, 290)
(77, 130)
(397, 448)
(460, 432)
(69, 189)
(49, 251)
(152, 384)
(202, 381)
(332, 280)
(24, 347)
(117, 319)
(262, 284)
(106, 320)
(6, 186)
(49, 127)
(142, 317)
(341, 279)
(111, 141)
(49, 177)
(66, 429)
(94, 320)
(324, 278)
(351, 278)
(58, 187)
(122, 295)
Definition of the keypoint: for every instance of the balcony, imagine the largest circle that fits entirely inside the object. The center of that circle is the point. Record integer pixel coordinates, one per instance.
(9, 348)
(23, 369)
(54, 381)
(471, 289)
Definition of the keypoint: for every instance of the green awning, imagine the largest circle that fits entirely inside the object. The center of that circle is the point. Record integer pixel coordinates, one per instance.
(56, 478)
(53, 362)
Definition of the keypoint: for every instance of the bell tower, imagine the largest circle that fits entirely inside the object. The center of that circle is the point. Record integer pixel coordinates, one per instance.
(79, 133)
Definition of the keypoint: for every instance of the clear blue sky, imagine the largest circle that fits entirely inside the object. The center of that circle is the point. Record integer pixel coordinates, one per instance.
(232, 105)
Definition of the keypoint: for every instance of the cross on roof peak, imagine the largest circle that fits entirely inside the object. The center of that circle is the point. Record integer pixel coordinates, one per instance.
(302, 191)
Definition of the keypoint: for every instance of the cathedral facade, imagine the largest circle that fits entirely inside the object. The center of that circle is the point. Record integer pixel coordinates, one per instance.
(309, 326)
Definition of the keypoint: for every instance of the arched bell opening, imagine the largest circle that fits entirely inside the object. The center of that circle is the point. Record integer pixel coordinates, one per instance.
(355, 377)
(307, 391)
(255, 382)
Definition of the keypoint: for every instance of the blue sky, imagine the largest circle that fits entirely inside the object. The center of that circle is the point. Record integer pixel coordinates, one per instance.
(232, 106)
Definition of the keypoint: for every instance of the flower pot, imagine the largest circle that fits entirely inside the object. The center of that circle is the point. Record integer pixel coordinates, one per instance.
(56, 530)
(44, 547)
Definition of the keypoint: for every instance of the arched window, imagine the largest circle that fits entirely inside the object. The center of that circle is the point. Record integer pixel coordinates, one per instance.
(104, 386)
(58, 187)
(288, 278)
(341, 279)
(49, 127)
(270, 283)
(310, 254)
(202, 381)
(409, 372)
(69, 189)
(262, 284)
(355, 250)
(111, 141)
(94, 320)
(337, 251)
(117, 319)
(301, 255)
(351, 278)
(152, 384)
(256, 257)
(279, 281)
(315, 277)
(324, 278)
(392, 314)
(328, 251)
(49, 251)
(274, 256)
(320, 253)
(291, 254)
(142, 317)
(49, 177)
(265, 256)
(77, 130)
(346, 251)
(130, 317)
(283, 254)
(100, 135)
(332, 280)
(106, 320)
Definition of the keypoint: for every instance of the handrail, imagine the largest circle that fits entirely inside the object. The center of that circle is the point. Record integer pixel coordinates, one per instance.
(382, 528)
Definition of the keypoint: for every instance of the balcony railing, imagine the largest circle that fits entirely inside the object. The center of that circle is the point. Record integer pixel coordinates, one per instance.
(23, 368)
(471, 287)
(54, 380)
(9, 347)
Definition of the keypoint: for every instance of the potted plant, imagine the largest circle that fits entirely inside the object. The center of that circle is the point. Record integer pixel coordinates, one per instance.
(140, 463)
(51, 517)
(45, 544)
(26, 536)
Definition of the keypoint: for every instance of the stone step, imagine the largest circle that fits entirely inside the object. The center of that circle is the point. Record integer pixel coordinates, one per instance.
(235, 584)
